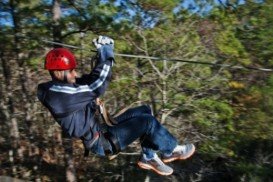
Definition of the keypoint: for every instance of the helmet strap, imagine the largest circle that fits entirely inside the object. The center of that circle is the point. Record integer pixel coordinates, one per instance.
(65, 76)
(59, 76)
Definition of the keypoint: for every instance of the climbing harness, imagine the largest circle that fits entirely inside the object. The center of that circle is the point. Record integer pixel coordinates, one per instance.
(103, 115)
(108, 140)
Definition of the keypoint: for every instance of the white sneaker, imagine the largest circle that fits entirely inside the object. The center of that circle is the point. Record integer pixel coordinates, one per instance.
(156, 165)
(181, 152)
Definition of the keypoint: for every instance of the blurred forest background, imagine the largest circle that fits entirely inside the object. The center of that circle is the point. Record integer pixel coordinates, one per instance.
(227, 113)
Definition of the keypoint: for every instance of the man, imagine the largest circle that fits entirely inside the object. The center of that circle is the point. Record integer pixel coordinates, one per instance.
(72, 102)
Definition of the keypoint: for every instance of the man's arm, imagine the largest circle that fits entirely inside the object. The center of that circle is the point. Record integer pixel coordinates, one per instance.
(67, 98)
(100, 76)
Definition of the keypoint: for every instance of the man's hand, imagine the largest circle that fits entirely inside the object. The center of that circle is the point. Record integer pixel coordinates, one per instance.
(103, 40)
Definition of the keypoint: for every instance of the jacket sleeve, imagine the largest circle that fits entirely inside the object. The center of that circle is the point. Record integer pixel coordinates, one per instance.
(98, 80)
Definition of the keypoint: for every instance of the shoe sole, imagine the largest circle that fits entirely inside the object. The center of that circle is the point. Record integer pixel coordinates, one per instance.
(180, 158)
(148, 167)
(111, 157)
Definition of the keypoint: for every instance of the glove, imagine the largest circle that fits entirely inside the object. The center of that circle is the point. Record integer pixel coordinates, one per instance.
(103, 40)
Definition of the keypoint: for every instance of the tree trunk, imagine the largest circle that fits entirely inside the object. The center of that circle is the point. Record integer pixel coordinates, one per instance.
(57, 31)
(164, 92)
(14, 131)
(67, 143)
(23, 82)
(70, 168)
(7, 108)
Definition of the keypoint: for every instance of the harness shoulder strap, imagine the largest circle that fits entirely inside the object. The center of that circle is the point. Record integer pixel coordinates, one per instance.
(125, 109)
(106, 117)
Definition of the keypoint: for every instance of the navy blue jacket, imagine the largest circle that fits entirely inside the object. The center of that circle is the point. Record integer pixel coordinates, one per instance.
(73, 105)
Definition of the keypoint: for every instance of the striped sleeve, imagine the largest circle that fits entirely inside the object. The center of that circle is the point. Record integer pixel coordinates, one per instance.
(84, 88)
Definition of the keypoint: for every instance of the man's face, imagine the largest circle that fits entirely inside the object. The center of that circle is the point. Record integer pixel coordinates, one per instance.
(71, 76)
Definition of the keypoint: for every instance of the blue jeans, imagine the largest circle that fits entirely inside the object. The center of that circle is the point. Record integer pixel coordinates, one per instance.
(139, 122)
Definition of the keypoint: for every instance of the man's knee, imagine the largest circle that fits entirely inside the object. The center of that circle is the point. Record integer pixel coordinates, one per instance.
(147, 109)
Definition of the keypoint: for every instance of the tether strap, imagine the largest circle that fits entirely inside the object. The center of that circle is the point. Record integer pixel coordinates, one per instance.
(94, 139)
(86, 152)
(109, 138)
(113, 141)
(65, 76)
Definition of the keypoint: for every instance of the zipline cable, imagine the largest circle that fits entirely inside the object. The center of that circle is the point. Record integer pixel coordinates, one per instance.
(168, 59)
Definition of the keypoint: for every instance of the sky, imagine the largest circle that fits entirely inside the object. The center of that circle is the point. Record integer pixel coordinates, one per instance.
(194, 8)
(5, 18)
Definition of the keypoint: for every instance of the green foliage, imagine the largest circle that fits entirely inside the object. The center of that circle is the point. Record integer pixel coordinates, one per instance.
(254, 172)
(267, 100)
(216, 112)
(34, 62)
(228, 44)
(164, 5)
(226, 40)
(256, 30)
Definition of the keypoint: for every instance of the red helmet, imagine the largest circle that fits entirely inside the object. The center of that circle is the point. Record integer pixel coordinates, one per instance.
(60, 59)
